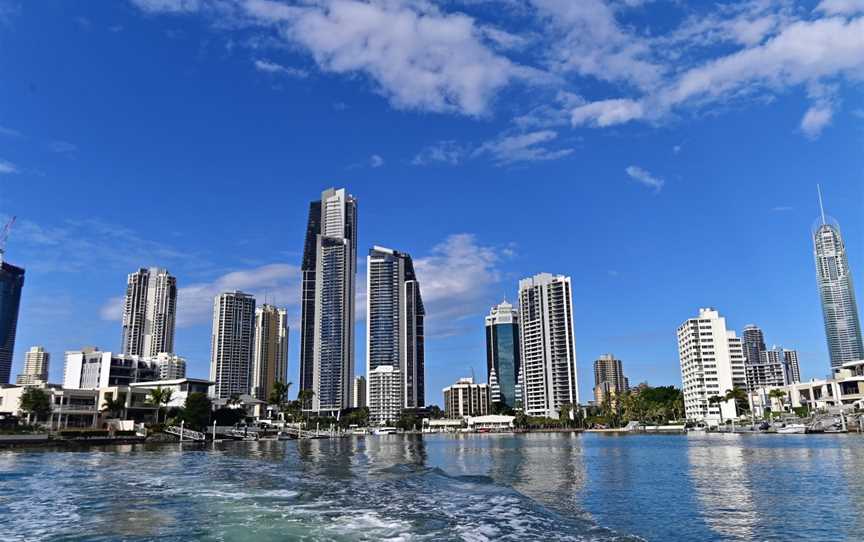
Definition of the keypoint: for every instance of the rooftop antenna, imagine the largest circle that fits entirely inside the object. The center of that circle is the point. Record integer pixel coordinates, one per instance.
(821, 208)
(4, 236)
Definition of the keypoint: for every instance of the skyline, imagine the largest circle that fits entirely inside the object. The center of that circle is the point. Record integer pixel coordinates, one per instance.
(710, 206)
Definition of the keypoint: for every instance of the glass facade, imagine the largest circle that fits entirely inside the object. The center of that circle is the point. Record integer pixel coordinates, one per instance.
(11, 283)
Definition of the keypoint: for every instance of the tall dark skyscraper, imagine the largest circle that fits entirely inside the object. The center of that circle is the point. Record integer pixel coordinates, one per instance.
(502, 355)
(394, 335)
(11, 283)
(839, 309)
(329, 272)
(754, 343)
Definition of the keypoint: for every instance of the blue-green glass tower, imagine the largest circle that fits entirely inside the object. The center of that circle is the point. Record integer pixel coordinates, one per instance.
(502, 355)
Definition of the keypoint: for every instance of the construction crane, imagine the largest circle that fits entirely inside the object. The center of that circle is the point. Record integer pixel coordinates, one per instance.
(4, 236)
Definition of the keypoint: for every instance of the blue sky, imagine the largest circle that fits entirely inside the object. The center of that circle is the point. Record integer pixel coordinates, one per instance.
(663, 154)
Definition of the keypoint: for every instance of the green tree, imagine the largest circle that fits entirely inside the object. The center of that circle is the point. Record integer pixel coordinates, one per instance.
(196, 411)
(740, 397)
(718, 400)
(305, 399)
(160, 396)
(279, 394)
(35, 402)
(780, 395)
(114, 405)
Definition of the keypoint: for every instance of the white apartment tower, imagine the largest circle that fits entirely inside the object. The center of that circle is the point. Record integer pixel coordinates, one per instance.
(36, 362)
(547, 347)
(231, 344)
(149, 313)
(712, 363)
(394, 327)
(384, 400)
(270, 357)
(329, 271)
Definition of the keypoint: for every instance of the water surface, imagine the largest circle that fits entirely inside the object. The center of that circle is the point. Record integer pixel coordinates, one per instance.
(438, 487)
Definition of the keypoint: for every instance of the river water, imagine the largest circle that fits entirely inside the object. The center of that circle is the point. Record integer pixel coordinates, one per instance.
(440, 487)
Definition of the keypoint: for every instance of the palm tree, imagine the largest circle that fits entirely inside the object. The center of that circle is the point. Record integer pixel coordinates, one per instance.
(780, 395)
(160, 396)
(717, 400)
(279, 394)
(305, 398)
(738, 395)
(114, 405)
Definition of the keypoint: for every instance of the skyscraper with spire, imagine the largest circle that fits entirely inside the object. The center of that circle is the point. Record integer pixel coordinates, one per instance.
(329, 271)
(839, 309)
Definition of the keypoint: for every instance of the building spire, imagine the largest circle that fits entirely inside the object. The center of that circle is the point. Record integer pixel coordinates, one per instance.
(821, 208)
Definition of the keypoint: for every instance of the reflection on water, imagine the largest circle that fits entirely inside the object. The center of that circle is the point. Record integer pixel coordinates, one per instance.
(442, 487)
(721, 479)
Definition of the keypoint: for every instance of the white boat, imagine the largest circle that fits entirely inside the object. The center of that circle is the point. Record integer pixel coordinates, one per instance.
(697, 429)
(385, 431)
(792, 429)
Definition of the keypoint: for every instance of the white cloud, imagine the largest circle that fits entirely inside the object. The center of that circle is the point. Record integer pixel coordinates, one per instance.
(376, 161)
(444, 152)
(279, 282)
(168, 6)
(606, 112)
(417, 56)
(9, 132)
(62, 147)
(7, 168)
(268, 66)
(840, 7)
(816, 119)
(459, 281)
(71, 246)
(642, 176)
(589, 41)
(528, 147)
(429, 56)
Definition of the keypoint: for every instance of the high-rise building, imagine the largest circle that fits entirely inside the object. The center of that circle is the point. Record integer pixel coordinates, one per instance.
(231, 344)
(839, 309)
(754, 343)
(547, 347)
(465, 398)
(791, 358)
(358, 394)
(35, 372)
(394, 327)
(609, 379)
(270, 357)
(776, 367)
(171, 366)
(712, 363)
(149, 313)
(384, 399)
(329, 269)
(11, 283)
(502, 355)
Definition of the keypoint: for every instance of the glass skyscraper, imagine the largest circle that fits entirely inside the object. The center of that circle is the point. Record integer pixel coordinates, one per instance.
(327, 305)
(11, 282)
(842, 327)
(502, 355)
(394, 335)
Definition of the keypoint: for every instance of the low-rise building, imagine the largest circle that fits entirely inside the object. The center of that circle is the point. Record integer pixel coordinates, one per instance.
(69, 407)
(845, 388)
(491, 422)
(465, 398)
(91, 368)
